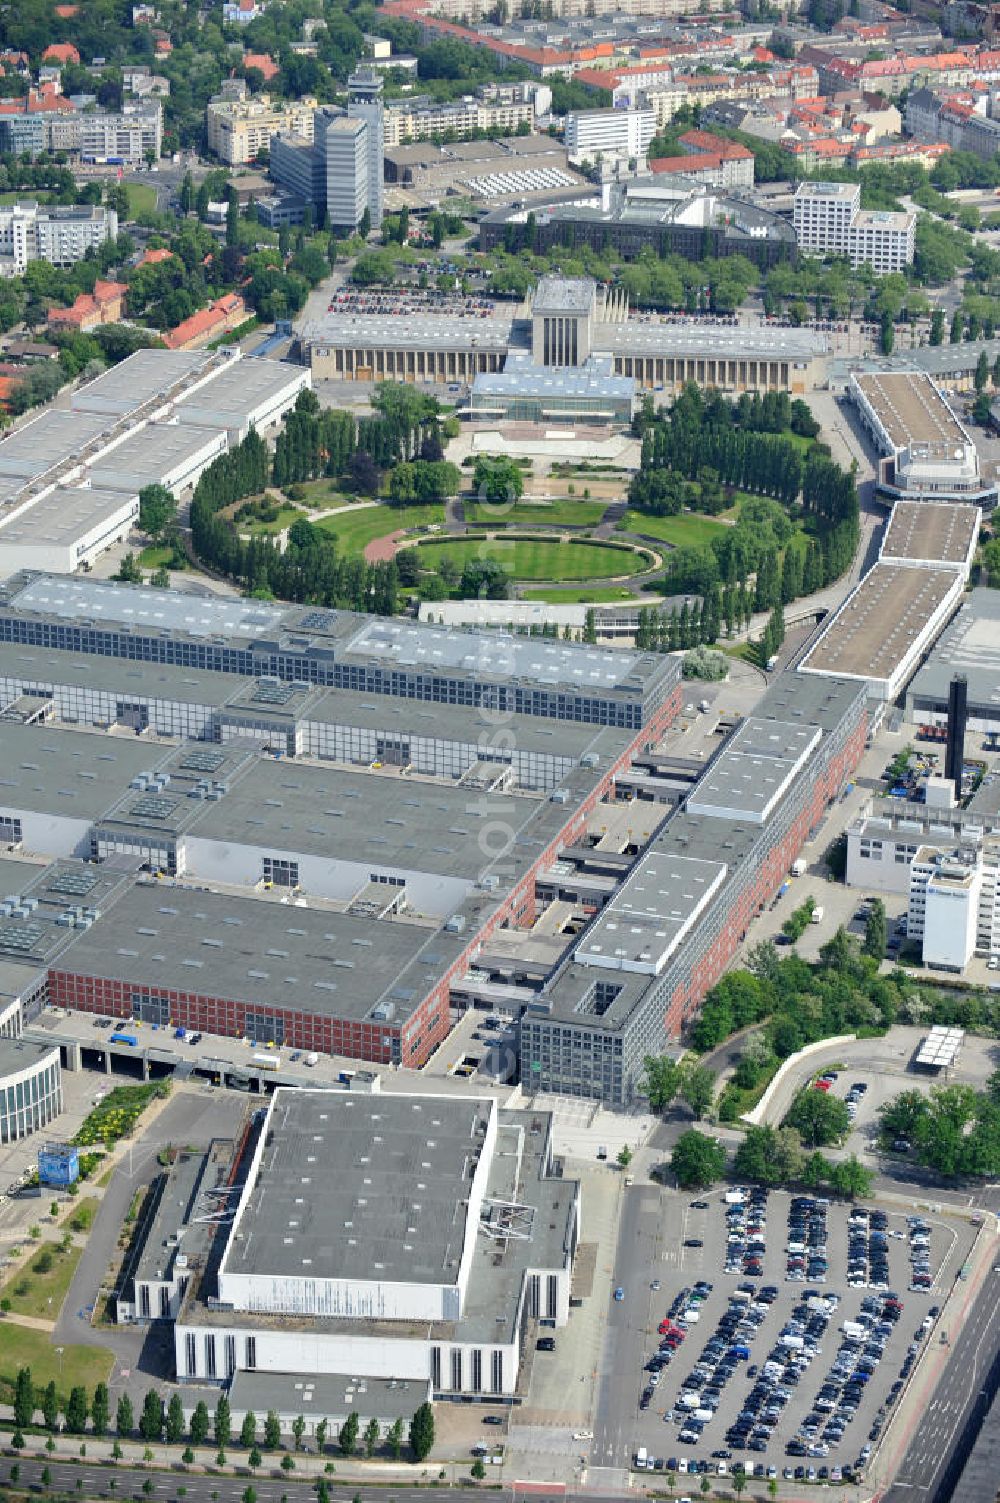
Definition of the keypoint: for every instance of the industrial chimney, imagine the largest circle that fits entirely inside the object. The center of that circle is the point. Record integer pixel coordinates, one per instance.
(954, 757)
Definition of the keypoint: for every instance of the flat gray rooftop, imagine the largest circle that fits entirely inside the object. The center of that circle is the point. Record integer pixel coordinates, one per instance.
(754, 769)
(49, 439)
(969, 645)
(21, 1054)
(41, 669)
(154, 451)
(633, 338)
(394, 1171)
(398, 823)
(65, 514)
(175, 1211)
(556, 295)
(143, 376)
(76, 599)
(262, 952)
(563, 738)
(646, 919)
(521, 377)
(913, 411)
(70, 774)
(517, 1176)
(709, 842)
(881, 621)
(326, 1396)
(241, 386)
(435, 331)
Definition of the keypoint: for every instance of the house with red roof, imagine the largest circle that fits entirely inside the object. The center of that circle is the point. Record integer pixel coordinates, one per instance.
(208, 323)
(154, 257)
(60, 52)
(263, 62)
(725, 164)
(242, 12)
(65, 12)
(105, 305)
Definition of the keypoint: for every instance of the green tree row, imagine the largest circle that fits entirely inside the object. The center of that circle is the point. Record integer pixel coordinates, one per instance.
(166, 1422)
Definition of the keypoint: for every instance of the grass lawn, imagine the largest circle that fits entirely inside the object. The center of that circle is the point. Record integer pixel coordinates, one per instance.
(82, 1217)
(43, 1293)
(79, 1365)
(532, 560)
(286, 516)
(141, 199)
(319, 493)
(354, 530)
(566, 512)
(155, 556)
(609, 595)
(686, 530)
(801, 443)
(747, 651)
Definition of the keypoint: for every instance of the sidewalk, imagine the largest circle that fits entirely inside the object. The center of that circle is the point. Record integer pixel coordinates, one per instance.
(307, 1465)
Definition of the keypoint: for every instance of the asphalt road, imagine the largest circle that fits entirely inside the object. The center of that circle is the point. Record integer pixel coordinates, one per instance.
(200, 1489)
(942, 1437)
(190, 1117)
(96, 1480)
(619, 1383)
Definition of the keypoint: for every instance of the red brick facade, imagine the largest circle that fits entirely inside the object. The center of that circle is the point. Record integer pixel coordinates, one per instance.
(421, 1033)
(761, 886)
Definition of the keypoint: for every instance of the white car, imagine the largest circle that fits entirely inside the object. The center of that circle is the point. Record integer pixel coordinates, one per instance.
(583, 1435)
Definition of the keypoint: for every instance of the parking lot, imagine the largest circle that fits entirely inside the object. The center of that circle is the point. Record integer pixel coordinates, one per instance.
(780, 1334)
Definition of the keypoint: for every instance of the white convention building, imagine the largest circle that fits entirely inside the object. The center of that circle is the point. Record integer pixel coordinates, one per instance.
(413, 1238)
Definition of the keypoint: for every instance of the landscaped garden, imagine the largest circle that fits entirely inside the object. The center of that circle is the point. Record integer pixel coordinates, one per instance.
(536, 558)
(685, 530)
(39, 1288)
(565, 511)
(356, 528)
(118, 1113)
(66, 1366)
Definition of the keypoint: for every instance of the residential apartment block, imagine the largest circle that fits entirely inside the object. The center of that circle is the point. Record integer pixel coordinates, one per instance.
(955, 122)
(239, 128)
(494, 107)
(29, 232)
(95, 136)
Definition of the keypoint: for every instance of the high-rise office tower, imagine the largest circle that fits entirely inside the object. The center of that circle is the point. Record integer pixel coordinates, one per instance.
(345, 148)
(364, 102)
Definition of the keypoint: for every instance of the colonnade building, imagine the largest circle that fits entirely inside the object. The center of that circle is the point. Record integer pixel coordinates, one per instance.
(564, 324)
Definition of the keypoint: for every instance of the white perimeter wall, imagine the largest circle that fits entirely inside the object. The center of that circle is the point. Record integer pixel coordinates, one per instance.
(304, 1352)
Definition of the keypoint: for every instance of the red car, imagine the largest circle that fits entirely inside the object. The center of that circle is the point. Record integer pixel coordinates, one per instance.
(822, 1085)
